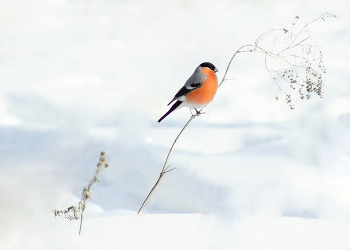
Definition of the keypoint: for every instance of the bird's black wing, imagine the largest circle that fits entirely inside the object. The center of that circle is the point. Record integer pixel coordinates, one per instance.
(185, 90)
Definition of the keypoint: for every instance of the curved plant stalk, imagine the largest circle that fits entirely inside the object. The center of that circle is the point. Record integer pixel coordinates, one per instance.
(166, 169)
(295, 56)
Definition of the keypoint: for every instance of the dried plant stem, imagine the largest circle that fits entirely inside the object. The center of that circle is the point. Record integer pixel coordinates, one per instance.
(73, 212)
(229, 64)
(165, 169)
(81, 220)
(305, 59)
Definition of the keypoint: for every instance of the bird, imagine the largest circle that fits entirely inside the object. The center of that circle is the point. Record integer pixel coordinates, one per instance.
(198, 91)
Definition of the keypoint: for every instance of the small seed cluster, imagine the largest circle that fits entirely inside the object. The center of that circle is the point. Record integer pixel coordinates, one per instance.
(73, 212)
(301, 64)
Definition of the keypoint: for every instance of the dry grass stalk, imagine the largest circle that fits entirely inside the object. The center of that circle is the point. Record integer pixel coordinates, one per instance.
(296, 60)
(76, 212)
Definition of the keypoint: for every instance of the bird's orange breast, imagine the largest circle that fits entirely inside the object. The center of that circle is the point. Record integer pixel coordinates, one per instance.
(206, 92)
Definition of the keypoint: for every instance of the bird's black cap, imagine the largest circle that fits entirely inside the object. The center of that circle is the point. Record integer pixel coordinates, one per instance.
(209, 65)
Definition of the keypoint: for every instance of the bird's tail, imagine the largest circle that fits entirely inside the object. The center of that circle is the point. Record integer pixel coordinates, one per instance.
(176, 104)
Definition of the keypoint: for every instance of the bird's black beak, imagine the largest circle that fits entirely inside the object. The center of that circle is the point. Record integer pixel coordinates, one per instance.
(216, 70)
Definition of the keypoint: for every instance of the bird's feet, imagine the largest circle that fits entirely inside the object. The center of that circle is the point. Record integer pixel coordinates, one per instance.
(197, 112)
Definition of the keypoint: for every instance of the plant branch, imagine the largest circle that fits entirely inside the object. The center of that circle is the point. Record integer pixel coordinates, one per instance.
(289, 72)
(73, 213)
(164, 169)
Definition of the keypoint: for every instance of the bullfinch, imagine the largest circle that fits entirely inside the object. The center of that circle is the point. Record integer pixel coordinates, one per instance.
(198, 90)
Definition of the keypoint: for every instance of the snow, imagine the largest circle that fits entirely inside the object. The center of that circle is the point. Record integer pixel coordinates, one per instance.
(79, 77)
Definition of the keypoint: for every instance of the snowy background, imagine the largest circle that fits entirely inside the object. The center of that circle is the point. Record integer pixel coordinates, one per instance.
(81, 76)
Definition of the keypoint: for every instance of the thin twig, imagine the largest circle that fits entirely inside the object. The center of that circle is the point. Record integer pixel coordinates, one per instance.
(229, 64)
(164, 170)
(81, 220)
(73, 212)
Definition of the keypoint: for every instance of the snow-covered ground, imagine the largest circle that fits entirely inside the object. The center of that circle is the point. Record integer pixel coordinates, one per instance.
(81, 76)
